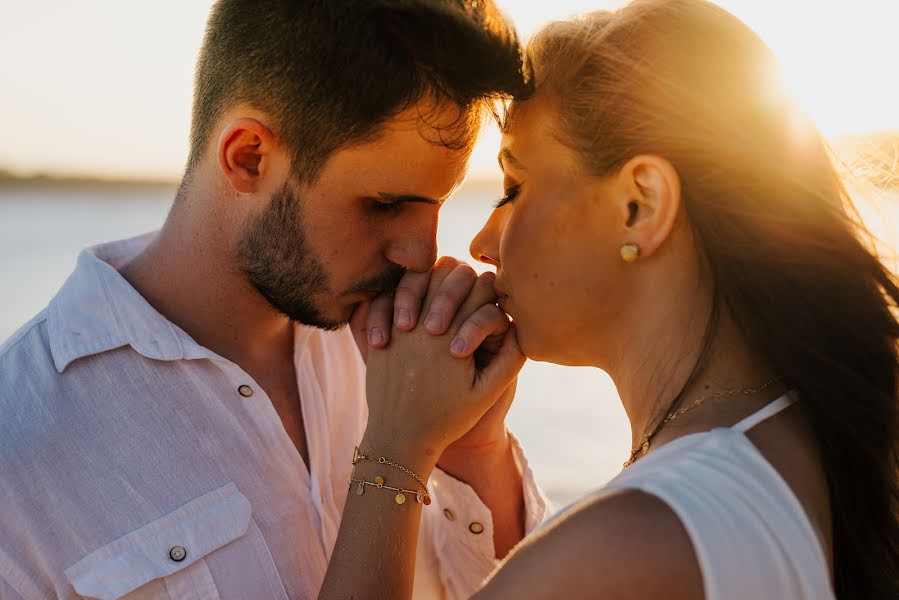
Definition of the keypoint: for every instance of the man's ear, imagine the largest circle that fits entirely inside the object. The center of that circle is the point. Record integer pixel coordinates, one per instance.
(246, 151)
(650, 201)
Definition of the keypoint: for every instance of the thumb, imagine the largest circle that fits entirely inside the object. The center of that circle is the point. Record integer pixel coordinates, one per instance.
(505, 364)
(358, 326)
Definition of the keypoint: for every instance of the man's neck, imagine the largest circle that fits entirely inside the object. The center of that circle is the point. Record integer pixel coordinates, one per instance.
(189, 275)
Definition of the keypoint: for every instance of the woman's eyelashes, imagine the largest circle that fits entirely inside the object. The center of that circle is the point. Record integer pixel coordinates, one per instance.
(511, 194)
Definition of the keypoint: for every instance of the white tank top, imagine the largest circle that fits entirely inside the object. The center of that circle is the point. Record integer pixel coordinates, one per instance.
(751, 535)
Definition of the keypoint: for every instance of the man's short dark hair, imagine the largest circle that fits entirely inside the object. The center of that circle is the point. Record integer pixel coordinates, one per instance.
(332, 72)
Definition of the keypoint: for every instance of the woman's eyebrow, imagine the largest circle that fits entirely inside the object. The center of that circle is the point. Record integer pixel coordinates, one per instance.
(506, 155)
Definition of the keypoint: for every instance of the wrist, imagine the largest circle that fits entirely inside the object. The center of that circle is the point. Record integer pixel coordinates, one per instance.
(419, 458)
(484, 456)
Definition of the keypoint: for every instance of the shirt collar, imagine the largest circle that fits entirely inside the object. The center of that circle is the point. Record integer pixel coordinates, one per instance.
(97, 310)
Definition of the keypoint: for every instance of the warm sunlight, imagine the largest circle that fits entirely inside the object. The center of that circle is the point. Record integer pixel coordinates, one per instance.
(836, 57)
(101, 89)
(652, 356)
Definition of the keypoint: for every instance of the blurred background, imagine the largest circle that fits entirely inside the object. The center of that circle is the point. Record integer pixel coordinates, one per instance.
(95, 101)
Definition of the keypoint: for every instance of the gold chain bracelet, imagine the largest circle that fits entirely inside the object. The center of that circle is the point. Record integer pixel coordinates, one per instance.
(358, 456)
(400, 498)
(422, 497)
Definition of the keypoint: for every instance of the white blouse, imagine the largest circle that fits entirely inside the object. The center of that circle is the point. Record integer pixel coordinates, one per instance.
(751, 535)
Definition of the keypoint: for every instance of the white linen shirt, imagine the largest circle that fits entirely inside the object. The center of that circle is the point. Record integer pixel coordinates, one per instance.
(132, 467)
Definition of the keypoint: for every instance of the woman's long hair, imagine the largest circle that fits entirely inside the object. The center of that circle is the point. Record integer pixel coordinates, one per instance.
(791, 261)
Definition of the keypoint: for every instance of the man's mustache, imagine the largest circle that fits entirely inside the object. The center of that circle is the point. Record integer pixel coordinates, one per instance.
(386, 281)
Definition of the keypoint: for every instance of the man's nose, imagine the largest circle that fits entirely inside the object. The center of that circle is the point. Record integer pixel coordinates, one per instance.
(416, 250)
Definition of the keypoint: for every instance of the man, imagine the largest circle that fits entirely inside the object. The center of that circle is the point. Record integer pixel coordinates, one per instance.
(179, 421)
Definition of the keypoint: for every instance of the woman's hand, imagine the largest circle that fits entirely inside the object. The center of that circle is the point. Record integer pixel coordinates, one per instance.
(421, 398)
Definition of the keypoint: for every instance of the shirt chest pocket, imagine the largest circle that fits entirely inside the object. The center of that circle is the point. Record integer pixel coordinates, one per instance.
(175, 556)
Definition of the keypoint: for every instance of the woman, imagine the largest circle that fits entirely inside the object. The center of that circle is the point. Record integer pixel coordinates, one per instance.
(670, 220)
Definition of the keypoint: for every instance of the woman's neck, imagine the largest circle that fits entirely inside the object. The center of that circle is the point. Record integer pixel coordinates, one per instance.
(662, 340)
(655, 380)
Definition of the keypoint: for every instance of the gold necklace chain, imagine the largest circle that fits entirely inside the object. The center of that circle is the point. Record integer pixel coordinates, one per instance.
(643, 446)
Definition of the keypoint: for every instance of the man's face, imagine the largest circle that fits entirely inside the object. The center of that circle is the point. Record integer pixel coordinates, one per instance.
(316, 251)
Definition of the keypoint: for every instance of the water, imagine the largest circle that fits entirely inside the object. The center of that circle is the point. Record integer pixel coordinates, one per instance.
(569, 420)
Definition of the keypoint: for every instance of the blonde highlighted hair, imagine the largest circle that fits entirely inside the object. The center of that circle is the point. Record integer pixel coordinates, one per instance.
(788, 258)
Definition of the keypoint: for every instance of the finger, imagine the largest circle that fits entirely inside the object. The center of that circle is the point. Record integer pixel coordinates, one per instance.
(506, 364)
(380, 317)
(441, 270)
(487, 321)
(408, 298)
(451, 295)
(481, 293)
(358, 326)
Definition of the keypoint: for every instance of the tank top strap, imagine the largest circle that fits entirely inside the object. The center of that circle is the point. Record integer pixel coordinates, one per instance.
(764, 413)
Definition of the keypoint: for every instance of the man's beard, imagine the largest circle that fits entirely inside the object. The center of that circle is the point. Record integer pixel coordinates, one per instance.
(274, 253)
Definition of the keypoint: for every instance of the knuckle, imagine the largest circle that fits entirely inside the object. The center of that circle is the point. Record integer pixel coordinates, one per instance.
(466, 272)
(441, 300)
(494, 312)
(486, 281)
(445, 263)
(478, 323)
(487, 277)
(405, 296)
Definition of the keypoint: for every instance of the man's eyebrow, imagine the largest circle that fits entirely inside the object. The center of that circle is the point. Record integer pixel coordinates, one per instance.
(506, 155)
(409, 198)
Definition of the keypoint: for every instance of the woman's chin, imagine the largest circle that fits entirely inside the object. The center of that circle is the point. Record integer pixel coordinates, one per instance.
(533, 347)
(541, 350)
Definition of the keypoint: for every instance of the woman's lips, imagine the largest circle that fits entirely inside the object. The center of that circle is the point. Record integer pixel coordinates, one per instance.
(502, 301)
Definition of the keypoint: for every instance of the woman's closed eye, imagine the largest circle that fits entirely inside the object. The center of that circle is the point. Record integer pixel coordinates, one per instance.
(511, 194)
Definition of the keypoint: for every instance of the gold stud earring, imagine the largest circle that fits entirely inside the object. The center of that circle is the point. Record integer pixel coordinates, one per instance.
(630, 252)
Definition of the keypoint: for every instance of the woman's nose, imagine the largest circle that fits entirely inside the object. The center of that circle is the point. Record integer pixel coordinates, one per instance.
(485, 245)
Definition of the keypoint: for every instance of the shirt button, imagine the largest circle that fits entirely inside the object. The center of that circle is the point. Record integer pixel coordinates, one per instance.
(449, 514)
(476, 528)
(177, 553)
(245, 391)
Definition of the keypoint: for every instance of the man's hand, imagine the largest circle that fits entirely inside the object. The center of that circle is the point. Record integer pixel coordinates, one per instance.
(373, 322)
(483, 457)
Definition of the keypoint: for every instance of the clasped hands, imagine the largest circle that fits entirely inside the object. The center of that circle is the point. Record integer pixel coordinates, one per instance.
(442, 364)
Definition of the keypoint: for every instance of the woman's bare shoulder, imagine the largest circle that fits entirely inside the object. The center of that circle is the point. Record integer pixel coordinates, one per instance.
(622, 544)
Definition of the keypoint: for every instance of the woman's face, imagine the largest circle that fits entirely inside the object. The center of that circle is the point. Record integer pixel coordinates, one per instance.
(555, 241)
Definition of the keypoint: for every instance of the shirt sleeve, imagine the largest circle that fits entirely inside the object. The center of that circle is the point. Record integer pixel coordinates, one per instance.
(456, 551)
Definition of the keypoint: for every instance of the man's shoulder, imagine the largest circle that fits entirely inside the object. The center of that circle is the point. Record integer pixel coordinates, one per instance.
(25, 350)
(27, 371)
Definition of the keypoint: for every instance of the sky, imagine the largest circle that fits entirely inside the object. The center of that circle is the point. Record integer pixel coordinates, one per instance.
(103, 87)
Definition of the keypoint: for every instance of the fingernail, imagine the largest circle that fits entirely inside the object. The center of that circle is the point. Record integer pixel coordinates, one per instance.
(434, 322)
(375, 337)
(403, 318)
(458, 346)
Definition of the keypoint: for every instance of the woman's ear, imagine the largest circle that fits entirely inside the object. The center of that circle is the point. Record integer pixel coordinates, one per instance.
(650, 198)
(246, 151)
